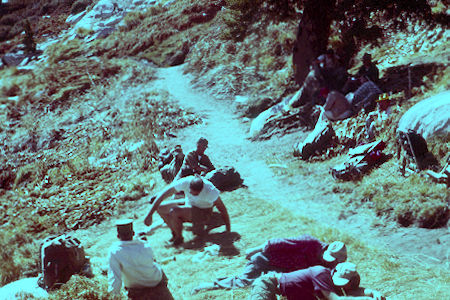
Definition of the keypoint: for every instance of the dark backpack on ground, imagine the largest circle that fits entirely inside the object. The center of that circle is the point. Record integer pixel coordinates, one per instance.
(225, 179)
(170, 162)
(416, 148)
(359, 161)
(61, 257)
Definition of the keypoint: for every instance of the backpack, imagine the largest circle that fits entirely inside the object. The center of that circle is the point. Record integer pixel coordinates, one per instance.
(416, 148)
(225, 179)
(318, 141)
(360, 160)
(61, 257)
(170, 162)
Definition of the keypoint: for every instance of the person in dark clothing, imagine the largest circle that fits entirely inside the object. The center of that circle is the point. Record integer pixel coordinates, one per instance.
(317, 282)
(282, 255)
(368, 69)
(196, 161)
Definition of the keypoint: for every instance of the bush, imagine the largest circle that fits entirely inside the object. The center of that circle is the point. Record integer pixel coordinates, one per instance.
(80, 6)
(9, 20)
(4, 32)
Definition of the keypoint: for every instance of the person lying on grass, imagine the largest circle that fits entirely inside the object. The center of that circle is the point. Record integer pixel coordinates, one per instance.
(201, 197)
(281, 255)
(313, 283)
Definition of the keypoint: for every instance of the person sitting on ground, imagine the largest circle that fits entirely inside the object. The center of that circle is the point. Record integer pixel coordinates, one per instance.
(367, 72)
(132, 262)
(368, 69)
(282, 255)
(337, 107)
(170, 162)
(325, 72)
(201, 197)
(333, 73)
(196, 161)
(365, 96)
(316, 282)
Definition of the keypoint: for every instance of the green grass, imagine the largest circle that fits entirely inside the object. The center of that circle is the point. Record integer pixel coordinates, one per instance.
(398, 278)
(58, 189)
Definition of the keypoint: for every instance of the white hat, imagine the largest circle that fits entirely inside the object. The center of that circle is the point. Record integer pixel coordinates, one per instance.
(345, 273)
(336, 251)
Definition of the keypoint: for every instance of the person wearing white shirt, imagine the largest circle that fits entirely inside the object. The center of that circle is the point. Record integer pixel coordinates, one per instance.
(131, 263)
(201, 197)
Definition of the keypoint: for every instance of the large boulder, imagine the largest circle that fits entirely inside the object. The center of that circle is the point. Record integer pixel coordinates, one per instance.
(429, 117)
(105, 16)
(26, 288)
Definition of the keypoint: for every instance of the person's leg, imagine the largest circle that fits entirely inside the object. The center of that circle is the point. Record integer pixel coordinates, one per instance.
(164, 211)
(177, 216)
(200, 216)
(266, 287)
(257, 265)
(161, 291)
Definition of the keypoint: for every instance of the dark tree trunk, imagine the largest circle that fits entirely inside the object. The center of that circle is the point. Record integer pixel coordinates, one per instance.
(312, 35)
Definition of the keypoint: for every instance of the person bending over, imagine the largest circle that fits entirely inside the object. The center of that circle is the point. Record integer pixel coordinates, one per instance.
(201, 197)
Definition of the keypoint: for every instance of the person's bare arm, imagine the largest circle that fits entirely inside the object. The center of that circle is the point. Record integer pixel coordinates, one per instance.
(165, 194)
(223, 212)
(252, 251)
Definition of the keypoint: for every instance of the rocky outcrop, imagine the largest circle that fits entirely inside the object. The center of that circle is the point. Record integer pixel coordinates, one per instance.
(429, 117)
(104, 17)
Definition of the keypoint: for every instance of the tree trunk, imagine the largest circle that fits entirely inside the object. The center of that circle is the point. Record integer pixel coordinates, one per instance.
(312, 35)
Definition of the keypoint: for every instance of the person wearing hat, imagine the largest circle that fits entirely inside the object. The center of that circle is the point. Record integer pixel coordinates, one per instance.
(131, 263)
(282, 255)
(316, 282)
(196, 161)
(201, 196)
(368, 70)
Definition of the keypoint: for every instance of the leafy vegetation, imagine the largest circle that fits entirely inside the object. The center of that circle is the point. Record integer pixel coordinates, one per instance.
(73, 162)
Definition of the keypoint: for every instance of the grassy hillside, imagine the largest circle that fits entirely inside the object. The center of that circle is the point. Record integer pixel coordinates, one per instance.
(70, 160)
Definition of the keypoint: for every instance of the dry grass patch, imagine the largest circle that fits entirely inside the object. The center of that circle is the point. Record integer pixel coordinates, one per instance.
(399, 278)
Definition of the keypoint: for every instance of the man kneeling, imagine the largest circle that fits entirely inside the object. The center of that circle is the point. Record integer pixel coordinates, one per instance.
(201, 197)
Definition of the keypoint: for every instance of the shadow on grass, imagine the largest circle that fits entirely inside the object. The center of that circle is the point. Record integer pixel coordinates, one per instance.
(225, 240)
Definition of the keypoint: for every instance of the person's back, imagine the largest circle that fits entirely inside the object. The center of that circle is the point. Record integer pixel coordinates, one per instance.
(288, 254)
(131, 262)
(135, 260)
(306, 284)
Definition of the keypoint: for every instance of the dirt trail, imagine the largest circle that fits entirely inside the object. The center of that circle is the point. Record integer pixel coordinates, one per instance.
(228, 145)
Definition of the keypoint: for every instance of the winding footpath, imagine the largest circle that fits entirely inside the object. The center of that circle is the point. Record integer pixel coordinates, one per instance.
(228, 145)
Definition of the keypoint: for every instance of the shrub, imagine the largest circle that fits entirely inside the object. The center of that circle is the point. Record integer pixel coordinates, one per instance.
(4, 32)
(9, 20)
(79, 6)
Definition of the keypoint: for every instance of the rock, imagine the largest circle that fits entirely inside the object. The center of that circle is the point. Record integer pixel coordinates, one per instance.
(105, 16)
(28, 286)
(429, 117)
(13, 59)
(179, 57)
(273, 112)
(72, 19)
